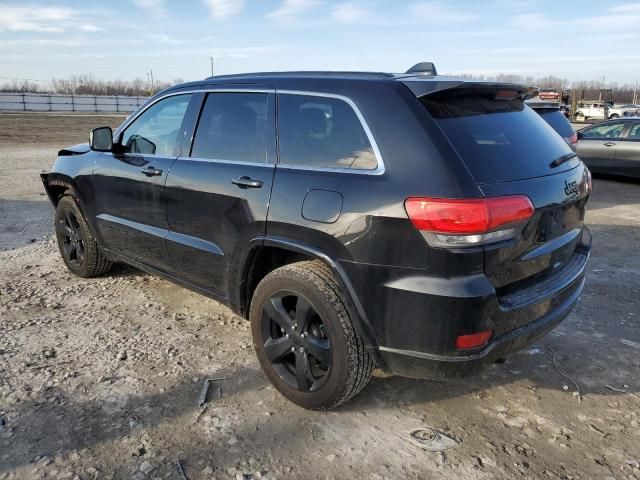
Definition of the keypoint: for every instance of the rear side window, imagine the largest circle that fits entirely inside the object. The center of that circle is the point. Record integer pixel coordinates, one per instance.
(499, 139)
(232, 126)
(635, 132)
(610, 130)
(558, 122)
(322, 132)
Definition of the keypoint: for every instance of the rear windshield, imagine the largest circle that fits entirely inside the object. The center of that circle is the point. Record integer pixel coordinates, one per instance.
(499, 139)
(558, 122)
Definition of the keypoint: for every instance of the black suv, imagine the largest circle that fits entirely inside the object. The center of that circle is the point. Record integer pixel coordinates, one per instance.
(421, 224)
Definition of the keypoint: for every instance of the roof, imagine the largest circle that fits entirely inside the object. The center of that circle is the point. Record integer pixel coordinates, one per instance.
(304, 74)
(419, 83)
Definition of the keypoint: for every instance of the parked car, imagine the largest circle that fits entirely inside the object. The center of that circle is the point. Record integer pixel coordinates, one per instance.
(591, 110)
(612, 147)
(617, 111)
(596, 110)
(553, 115)
(422, 224)
(631, 111)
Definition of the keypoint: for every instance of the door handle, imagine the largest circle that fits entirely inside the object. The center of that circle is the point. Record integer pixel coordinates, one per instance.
(247, 182)
(151, 171)
(608, 144)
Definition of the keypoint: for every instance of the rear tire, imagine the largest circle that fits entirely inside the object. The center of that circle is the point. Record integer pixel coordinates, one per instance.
(304, 337)
(78, 246)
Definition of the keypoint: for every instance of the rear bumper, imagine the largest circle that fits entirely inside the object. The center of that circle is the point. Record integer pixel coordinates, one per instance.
(424, 365)
(415, 318)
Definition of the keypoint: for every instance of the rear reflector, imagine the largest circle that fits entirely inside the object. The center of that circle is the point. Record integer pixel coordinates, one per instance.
(465, 342)
(467, 216)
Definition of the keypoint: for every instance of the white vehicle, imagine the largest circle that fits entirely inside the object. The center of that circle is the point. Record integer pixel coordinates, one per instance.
(596, 110)
(618, 111)
(590, 110)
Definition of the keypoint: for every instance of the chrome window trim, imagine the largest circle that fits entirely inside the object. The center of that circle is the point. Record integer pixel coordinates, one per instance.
(231, 162)
(379, 170)
(136, 114)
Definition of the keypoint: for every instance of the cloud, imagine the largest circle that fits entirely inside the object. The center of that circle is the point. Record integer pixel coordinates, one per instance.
(626, 15)
(632, 8)
(533, 20)
(220, 9)
(164, 38)
(350, 12)
(289, 10)
(34, 18)
(439, 12)
(89, 28)
(154, 7)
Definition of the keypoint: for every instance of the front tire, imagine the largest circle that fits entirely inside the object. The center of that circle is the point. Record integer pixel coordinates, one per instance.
(304, 337)
(78, 246)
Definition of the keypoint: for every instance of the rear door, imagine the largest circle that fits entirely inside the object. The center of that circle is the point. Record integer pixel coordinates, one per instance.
(129, 186)
(218, 189)
(597, 145)
(627, 159)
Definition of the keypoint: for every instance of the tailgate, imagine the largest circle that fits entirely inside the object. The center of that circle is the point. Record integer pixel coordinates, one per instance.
(511, 150)
(551, 239)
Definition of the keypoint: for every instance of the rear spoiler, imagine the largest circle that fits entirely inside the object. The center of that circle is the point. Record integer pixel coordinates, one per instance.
(428, 86)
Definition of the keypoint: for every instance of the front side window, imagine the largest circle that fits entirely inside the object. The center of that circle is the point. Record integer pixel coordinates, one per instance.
(634, 134)
(610, 130)
(155, 132)
(233, 126)
(322, 132)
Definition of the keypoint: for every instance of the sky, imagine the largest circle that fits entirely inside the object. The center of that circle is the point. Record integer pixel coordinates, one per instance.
(124, 39)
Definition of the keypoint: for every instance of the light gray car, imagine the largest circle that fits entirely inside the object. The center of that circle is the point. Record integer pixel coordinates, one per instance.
(612, 147)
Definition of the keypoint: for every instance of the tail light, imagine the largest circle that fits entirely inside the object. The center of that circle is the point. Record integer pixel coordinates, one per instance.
(468, 221)
(573, 139)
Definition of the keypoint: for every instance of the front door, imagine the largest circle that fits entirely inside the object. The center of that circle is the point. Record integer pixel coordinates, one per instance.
(218, 190)
(627, 161)
(130, 202)
(597, 145)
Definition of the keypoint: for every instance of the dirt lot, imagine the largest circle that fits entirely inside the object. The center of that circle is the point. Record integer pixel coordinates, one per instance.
(100, 378)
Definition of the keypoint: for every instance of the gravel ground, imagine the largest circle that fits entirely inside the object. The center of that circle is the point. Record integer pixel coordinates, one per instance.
(100, 378)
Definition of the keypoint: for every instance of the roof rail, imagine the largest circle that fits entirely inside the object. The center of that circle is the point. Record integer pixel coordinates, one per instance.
(423, 68)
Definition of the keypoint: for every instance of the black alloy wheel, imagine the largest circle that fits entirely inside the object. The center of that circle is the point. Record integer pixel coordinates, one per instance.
(303, 332)
(296, 341)
(73, 238)
(79, 249)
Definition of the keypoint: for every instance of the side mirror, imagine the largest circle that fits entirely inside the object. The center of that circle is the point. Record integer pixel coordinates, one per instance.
(101, 139)
(580, 135)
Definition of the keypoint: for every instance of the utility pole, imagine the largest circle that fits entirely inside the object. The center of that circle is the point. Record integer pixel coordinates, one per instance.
(151, 73)
(211, 58)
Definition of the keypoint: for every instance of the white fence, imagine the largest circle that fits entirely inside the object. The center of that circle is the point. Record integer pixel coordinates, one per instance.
(40, 102)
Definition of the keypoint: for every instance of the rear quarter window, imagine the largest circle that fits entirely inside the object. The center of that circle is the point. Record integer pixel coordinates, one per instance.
(498, 139)
(322, 132)
(558, 122)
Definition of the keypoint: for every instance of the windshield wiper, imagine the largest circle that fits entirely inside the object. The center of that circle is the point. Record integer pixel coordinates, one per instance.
(564, 158)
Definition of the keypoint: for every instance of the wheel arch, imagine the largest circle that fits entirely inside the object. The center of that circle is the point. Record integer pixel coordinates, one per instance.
(57, 184)
(253, 269)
